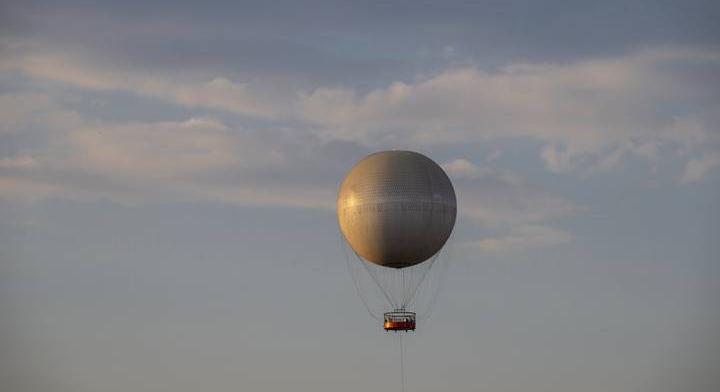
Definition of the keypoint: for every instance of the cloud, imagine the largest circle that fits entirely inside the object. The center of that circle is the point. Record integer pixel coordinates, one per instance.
(17, 109)
(523, 237)
(696, 169)
(21, 162)
(462, 168)
(152, 150)
(20, 112)
(203, 159)
(587, 114)
(191, 91)
(200, 159)
(495, 197)
(505, 205)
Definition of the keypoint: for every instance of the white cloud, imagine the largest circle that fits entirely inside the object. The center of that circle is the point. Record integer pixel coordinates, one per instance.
(503, 202)
(152, 150)
(588, 114)
(21, 162)
(219, 93)
(696, 169)
(523, 237)
(198, 159)
(191, 91)
(22, 110)
(499, 198)
(204, 159)
(462, 168)
(26, 189)
(17, 109)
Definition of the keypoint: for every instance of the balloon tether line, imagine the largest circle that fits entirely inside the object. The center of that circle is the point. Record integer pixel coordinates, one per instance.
(402, 365)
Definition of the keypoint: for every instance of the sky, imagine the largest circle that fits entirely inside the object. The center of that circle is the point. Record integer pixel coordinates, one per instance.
(168, 175)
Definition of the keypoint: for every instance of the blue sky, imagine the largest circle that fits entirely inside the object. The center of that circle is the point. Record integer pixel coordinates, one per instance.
(168, 174)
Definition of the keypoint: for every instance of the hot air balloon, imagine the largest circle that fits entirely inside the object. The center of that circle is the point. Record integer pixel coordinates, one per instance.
(396, 210)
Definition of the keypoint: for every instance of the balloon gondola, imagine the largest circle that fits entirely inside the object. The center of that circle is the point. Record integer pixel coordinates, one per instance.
(399, 320)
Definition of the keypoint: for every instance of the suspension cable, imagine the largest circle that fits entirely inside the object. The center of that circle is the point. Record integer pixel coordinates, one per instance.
(407, 299)
(375, 279)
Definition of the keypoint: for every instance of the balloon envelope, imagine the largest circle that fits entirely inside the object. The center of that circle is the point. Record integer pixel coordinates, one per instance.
(396, 208)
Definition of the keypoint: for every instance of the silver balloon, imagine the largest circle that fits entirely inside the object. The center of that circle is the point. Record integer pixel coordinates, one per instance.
(396, 208)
